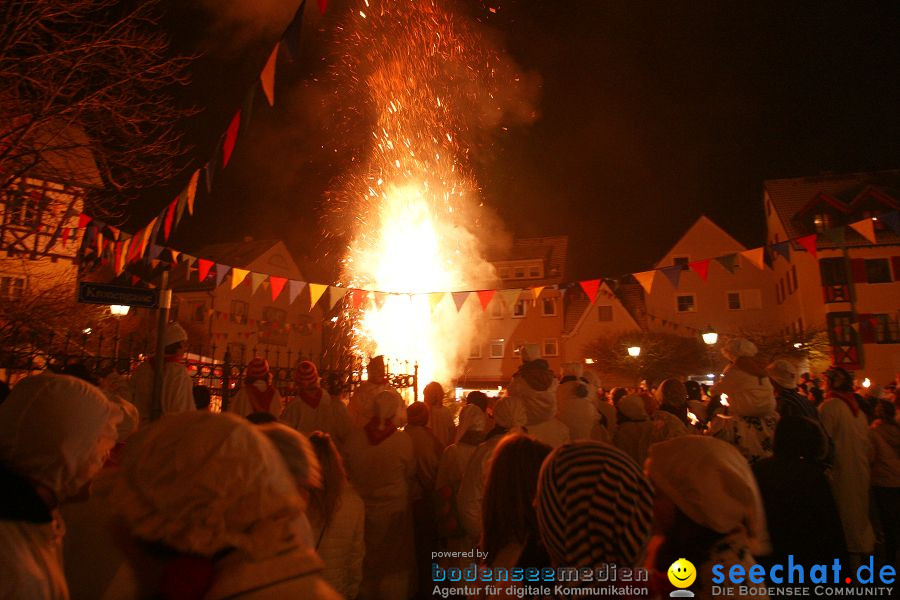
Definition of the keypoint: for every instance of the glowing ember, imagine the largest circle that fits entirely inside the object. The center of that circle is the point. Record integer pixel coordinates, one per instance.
(431, 81)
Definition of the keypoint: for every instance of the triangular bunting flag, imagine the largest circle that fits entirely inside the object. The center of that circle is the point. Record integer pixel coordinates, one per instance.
(808, 243)
(836, 235)
(277, 284)
(203, 267)
(179, 207)
(237, 276)
(167, 223)
(510, 298)
(485, 296)
(459, 298)
(135, 280)
(256, 280)
(783, 249)
(865, 228)
(645, 279)
(335, 293)
(83, 220)
(267, 77)
(756, 256)
(291, 35)
(294, 289)
(99, 244)
(380, 298)
(117, 257)
(221, 271)
(154, 263)
(315, 292)
(191, 191)
(536, 292)
(357, 297)
(892, 220)
(590, 288)
(673, 274)
(230, 138)
(701, 268)
(210, 169)
(435, 299)
(155, 251)
(174, 254)
(115, 231)
(148, 231)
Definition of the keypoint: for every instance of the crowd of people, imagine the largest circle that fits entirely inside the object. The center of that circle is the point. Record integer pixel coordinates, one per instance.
(363, 497)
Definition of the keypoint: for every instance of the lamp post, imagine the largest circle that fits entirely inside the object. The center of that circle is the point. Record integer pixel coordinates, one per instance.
(118, 311)
(710, 337)
(634, 351)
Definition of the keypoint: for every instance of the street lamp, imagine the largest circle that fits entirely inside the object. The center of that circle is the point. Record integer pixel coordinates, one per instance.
(710, 337)
(634, 351)
(118, 311)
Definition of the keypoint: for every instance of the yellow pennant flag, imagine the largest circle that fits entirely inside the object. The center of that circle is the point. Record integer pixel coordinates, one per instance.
(237, 276)
(315, 292)
(756, 256)
(435, 299)
(646, 280)
(192, 191)
(865, 228)
(267, 77)
(536, 292)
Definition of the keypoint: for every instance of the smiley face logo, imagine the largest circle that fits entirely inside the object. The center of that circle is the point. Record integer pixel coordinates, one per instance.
(682, 573)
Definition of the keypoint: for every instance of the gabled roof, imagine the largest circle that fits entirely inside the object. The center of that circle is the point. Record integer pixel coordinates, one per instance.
(725, 241)
(791, 197)
(552, 250)
(236, 254)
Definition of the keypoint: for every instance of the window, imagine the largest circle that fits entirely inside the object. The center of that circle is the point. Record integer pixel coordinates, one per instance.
(549, 307)
(794, 276)
(834, 271)
(821, 222)
(198, 311)
(12, 288)
(686, 303)
(682, 261)
(778, 298)
(604, 313)
(886, 329)
(534, 271)
(878, 270)
(519, 273)
(519, 309)
(497, 347)
(550, 347)
(25, 207)
(475, 350)
(239, 311)
(787, 280)
(274, 315)
(734, 301)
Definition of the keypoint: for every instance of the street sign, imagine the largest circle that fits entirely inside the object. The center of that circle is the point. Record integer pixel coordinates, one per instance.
(102, 293)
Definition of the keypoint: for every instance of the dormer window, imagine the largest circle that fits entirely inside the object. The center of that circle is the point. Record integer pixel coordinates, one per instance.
(822, 221)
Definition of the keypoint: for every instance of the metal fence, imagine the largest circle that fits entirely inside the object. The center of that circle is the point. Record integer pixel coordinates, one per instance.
(211, 366)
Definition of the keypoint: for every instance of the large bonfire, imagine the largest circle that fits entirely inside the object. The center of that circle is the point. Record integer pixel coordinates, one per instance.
(432, 81)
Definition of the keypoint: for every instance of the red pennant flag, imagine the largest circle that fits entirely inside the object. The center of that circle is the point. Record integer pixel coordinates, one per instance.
(135, 280)
(701, 268)
(83, 220)
(323, 6)
(277, 284)
(116, 256)
(809, 243)
(203, 267)
(230, 138)
(358, 297)
(590, 288)
(486, 296)
(167, 222)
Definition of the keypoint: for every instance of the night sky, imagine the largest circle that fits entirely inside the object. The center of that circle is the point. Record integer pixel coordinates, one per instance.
(647, 115)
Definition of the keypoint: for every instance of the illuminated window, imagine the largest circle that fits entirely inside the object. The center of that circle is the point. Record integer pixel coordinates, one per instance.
(497, 347)
(822, 222)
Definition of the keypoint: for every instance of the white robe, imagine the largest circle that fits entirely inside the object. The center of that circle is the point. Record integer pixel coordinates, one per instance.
(850, 474)
(31, 560)
(329, 416)
(241, 405)
(177, 394)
